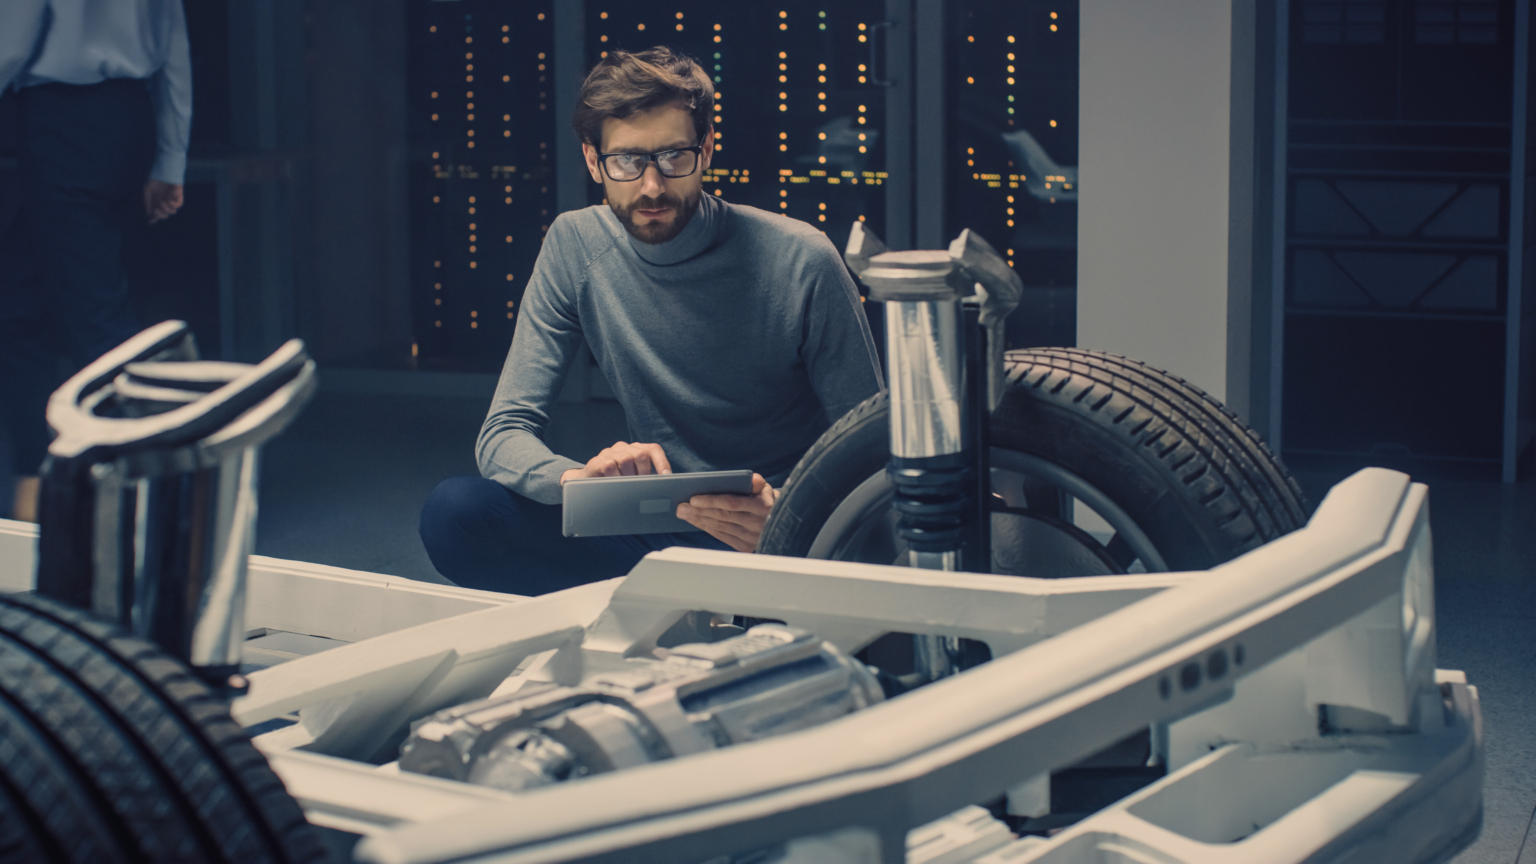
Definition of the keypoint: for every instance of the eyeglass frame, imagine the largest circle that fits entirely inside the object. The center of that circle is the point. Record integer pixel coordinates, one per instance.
(650, 159)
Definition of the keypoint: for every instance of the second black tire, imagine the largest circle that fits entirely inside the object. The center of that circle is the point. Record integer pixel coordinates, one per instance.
(1200, 484)
(112, 751)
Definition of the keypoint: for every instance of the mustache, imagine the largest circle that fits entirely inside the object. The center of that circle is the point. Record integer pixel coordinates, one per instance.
(656, 203)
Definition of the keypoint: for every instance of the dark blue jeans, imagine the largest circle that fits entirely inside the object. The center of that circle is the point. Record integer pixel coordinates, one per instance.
(479, 534)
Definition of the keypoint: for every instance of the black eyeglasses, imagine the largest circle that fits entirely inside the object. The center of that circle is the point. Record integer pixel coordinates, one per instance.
(624, 167)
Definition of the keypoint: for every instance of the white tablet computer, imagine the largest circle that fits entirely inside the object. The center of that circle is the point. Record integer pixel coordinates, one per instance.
(643, 504)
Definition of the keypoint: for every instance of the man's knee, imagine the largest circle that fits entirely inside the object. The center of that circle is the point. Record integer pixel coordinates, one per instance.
(460, 504)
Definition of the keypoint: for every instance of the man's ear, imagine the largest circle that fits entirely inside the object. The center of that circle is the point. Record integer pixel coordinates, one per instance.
(709, 147)
(590, 152)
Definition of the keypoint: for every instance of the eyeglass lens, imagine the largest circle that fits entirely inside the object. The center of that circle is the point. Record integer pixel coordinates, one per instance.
(671, 163)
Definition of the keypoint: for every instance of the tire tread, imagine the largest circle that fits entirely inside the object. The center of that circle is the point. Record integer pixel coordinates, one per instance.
(178, 779)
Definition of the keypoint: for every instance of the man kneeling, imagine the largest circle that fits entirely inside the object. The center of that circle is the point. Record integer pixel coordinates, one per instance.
(732, 338)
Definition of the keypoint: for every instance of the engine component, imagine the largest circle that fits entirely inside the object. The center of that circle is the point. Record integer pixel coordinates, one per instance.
(768, 681)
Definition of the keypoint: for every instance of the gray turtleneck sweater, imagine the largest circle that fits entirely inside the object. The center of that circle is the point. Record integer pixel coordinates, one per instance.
(734, 345)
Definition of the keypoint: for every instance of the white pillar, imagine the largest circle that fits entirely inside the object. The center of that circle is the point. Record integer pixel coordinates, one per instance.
(1160, 278)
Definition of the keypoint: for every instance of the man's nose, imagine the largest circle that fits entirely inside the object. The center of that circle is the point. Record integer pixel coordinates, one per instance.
(652, 185)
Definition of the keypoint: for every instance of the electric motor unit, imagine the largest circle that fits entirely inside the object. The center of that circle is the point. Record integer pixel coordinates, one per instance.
(768, 681)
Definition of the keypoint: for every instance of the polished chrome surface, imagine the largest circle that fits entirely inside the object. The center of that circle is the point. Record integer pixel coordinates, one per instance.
(934, 560)
(150, 490)
(998, 290)
(768, 681)
(218, 624)
(935, 657)
(926, 362)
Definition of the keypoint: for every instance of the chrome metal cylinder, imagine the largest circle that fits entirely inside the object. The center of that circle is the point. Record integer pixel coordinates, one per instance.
(926, 362)
(149, 493)
(218, 622)
(935, 657)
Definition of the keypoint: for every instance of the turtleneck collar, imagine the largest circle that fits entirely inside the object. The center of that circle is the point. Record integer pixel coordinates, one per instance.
(701, 234)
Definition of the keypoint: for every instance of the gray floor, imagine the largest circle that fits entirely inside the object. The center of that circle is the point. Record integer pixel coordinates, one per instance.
(345, 484)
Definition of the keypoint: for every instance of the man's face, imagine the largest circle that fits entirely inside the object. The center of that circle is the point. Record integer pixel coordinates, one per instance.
(654, 209)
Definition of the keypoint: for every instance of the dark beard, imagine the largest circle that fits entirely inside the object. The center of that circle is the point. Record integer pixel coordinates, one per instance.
(654, 233)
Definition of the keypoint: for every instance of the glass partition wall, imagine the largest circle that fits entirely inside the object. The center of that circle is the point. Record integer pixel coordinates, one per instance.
(816, 118)
(482, 126)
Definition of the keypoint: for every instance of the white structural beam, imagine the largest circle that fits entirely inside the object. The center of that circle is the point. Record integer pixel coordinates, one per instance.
(1163, 267)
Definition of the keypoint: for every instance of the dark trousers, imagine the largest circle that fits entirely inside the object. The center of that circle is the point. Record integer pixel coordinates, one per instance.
(479, 534)
(85, 152)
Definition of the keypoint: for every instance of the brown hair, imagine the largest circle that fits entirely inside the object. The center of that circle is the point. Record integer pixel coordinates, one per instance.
(624, 84)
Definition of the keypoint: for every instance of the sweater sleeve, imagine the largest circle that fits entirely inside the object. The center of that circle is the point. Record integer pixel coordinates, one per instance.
(836, 345)
(511, 449)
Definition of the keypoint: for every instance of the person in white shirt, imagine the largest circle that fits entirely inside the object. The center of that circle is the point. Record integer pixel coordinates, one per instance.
(104, 96)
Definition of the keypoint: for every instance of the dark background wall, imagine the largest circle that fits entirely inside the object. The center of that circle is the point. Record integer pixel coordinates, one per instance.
(318, 159)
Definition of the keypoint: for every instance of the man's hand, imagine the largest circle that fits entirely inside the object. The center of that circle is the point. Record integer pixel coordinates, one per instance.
(735, 520)
(623, 460)
(161, 199)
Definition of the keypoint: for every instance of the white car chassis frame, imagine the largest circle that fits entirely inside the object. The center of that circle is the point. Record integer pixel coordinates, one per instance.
(1292, 695)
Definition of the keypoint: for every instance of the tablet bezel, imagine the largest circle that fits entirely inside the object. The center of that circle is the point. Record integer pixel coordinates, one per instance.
(610, 506)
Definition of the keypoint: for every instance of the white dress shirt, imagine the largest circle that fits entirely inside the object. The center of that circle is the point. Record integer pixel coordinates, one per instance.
(90, 41)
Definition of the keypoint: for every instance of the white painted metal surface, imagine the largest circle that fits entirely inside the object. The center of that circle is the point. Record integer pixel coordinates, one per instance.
(1292, 693)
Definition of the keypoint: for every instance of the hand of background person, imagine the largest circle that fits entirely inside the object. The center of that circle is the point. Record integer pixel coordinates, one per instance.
(161, 199)
(622, 460)
(735, 520)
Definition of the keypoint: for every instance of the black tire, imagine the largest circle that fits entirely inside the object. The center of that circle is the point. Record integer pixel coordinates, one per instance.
(112, 751)
(1202, 487)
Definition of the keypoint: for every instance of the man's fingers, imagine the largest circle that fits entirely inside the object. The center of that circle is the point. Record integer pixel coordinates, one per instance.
(621, 459)
(658, 458)
(738, 503)
(730, 533)
(751, 521)
(634, 459)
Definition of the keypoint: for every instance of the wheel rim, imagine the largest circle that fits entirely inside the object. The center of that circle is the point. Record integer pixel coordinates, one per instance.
(847, 530)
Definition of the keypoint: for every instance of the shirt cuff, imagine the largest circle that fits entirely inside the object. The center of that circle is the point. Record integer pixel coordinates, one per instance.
(170, 168)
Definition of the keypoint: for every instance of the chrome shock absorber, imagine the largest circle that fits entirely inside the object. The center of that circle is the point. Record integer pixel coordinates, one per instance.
(939, 402)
